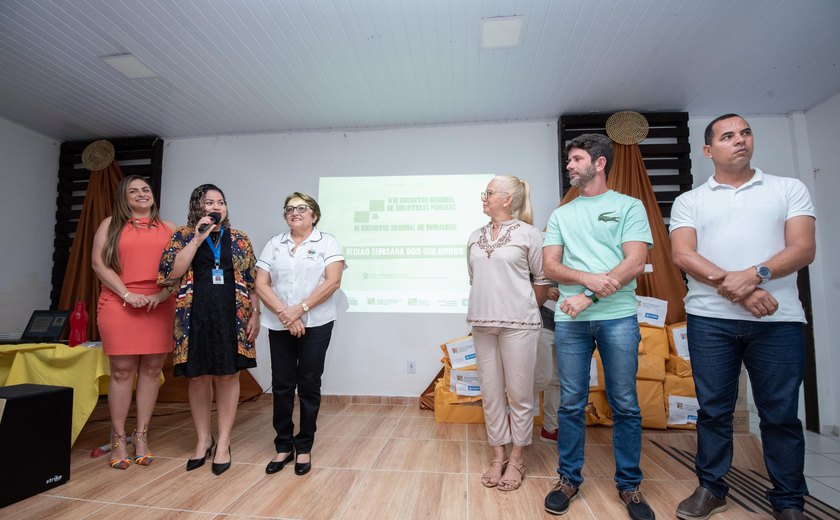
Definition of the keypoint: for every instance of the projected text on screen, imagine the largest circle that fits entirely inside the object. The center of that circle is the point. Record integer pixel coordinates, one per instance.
(404, 238)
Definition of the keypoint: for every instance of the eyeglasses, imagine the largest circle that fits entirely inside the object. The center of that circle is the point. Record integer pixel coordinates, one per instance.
(489, 193)
(301, 208)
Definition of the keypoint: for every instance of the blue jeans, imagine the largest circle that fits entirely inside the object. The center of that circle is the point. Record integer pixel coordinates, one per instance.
(774, 355)
(618, 343)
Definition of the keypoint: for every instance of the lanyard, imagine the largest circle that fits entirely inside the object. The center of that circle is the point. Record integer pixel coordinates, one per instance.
(217, 247)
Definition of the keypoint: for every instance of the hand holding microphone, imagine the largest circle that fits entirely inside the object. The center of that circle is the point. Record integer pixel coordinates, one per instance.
(215, 217)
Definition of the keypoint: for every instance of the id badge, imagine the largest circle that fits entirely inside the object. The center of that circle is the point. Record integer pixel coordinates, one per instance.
(218, 277)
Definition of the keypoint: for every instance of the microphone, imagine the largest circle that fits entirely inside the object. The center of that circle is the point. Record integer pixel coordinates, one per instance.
(215, 216)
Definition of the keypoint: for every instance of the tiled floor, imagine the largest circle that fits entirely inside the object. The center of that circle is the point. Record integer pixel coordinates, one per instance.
(381, 461)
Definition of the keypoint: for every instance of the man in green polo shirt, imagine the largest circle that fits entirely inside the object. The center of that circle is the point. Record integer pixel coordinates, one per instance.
(595, 247)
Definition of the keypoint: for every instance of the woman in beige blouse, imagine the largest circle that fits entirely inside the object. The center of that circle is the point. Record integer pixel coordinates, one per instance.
(505, 265)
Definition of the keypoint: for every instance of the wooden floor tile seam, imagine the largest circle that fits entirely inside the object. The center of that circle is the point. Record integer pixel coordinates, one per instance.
(365, 473)
(120, 497)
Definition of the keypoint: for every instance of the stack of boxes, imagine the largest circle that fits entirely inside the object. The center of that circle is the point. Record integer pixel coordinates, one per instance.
(458, 392)
(664, 382)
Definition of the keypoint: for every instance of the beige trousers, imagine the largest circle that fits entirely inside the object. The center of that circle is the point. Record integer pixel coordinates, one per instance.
(506, 359)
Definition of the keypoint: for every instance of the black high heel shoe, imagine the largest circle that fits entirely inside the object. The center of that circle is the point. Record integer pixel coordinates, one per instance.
(276, 465)
(218, 469)
(197, 463)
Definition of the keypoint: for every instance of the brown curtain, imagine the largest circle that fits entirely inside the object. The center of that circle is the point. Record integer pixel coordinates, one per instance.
(80, 283)
(629, 176)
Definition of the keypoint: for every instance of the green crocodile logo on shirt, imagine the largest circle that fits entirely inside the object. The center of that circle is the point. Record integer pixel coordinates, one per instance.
(605, 217)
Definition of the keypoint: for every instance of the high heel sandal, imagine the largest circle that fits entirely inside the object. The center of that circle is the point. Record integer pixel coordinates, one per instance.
(197, 463)
(487, 480)
(142, 460)
(119, 463)
(512, 485)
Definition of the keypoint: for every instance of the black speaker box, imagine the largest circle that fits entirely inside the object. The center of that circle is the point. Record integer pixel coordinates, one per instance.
(35, 429)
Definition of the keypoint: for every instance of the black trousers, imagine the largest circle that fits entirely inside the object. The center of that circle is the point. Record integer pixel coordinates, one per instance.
(297, 363)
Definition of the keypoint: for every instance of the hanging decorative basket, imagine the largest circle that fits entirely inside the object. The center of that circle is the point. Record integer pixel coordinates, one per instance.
(98, 155)
(627, 127)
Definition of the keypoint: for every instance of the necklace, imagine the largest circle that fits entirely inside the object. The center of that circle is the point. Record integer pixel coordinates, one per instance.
(217, 240)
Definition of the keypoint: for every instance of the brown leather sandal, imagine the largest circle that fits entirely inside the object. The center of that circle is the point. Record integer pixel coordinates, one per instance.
(512, 485)
(487, 480)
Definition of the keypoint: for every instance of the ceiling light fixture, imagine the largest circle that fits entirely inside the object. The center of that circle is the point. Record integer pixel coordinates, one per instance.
(130, 66)
(501, 32)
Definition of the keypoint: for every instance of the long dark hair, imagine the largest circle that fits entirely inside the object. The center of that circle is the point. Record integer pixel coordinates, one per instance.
(120, 215)
(197, 211)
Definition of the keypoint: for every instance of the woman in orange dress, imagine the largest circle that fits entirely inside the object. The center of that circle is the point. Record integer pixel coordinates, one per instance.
(135, 316)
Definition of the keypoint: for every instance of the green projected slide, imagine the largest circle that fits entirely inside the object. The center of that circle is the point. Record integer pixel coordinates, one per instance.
(404, 238)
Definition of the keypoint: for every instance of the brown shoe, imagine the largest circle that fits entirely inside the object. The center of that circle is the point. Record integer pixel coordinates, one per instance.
(637, 506)
(701, 505)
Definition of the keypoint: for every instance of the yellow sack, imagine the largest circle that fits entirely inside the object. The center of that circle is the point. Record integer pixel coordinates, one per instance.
(652, 404)
(654, 341)
(679, 387)
(598, 383)
(447, 381)
(678, 366)
(597, 409)
(651, 367)
(449, 409)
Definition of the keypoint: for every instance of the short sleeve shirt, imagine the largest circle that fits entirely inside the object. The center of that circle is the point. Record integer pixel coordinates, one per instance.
(592, 231)
(738, 228)
(501, 273)
(295, 275)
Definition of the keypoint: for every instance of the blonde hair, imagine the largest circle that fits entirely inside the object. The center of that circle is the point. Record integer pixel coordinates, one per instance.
(520, 193)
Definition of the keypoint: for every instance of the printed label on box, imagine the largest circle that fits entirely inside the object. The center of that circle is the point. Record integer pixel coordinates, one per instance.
(681, 341)
(461, 353)
(651, 311)
(464, 382)
(682, 410)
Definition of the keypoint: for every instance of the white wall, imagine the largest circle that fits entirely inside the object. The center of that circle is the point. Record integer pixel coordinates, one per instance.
(788, 146)
(822, 124)
(28, 202)
(368, 352)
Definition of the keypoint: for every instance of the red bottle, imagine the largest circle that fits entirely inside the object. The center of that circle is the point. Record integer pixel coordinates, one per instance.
(78, 324)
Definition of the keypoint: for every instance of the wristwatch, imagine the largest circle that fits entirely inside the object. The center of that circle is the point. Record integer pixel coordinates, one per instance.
(764, 273)
(304, 306)
(591, 295)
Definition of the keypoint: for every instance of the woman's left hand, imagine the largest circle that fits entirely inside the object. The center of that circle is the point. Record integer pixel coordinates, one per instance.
(297, 329)
(156, 299)
(253, 327)
(290, 314)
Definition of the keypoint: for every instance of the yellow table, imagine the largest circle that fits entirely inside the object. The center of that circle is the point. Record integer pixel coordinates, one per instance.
(85, 369)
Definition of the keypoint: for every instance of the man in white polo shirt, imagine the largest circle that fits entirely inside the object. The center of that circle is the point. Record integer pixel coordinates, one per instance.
(741, 238)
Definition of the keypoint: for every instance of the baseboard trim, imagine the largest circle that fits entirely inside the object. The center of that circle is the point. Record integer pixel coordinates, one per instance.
(360, 399)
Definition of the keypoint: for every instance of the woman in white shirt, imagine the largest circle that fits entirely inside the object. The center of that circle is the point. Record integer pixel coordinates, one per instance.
(297, 276)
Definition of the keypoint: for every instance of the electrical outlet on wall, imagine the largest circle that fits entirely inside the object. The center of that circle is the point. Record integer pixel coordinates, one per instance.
(410, 367)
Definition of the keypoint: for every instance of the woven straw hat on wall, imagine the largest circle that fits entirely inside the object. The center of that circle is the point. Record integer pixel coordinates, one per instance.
(627, 127)
(98, 155)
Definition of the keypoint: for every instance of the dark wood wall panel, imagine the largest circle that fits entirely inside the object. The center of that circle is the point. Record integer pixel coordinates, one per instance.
(671, 150)
(137, 156)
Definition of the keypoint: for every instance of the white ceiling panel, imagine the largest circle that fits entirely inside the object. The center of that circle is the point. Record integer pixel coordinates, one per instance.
(247, 66)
